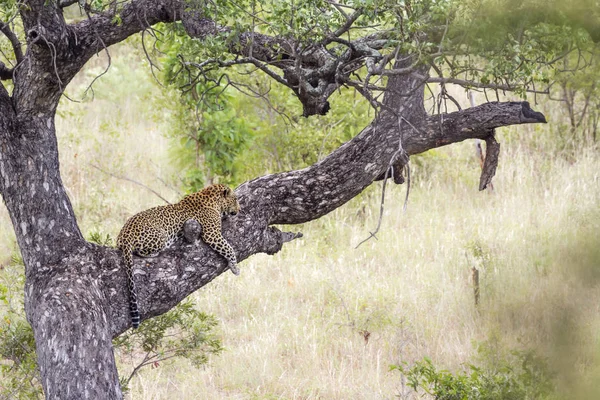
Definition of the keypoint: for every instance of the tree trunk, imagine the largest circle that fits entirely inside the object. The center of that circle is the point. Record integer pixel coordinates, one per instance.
(76, 296)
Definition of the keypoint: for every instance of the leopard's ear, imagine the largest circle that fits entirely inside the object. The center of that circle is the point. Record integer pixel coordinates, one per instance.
(226, 192)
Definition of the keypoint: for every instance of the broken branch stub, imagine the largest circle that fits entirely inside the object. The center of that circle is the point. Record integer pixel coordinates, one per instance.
(492, 152)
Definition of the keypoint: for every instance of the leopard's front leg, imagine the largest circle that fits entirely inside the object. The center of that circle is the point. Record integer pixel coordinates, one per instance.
(211, 235)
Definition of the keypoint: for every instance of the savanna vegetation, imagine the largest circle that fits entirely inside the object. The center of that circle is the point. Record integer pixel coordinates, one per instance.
(332, 316)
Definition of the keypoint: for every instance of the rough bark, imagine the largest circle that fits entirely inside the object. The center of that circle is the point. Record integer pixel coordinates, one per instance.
(76, 293)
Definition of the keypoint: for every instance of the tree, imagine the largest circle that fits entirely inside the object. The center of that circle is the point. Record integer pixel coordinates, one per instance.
(76, 295)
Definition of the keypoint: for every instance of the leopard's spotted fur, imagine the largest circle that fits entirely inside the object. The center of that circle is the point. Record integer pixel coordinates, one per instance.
(155, 229)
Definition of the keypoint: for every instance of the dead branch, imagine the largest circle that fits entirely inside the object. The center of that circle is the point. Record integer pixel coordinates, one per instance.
(381, 206)
(492, 151)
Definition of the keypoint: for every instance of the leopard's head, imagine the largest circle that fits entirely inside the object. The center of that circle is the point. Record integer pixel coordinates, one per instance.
(217, 197)
(228, 201)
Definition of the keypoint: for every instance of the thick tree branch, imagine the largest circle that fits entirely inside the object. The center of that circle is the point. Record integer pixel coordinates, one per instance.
(472, 123)
(290, 198)
(104, 29)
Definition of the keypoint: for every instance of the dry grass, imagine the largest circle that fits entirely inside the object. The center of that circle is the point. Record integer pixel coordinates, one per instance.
(322, 320)
(294, 325)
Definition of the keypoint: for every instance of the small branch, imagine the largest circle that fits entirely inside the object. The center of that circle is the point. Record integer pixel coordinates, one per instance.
(137, 367)
(14, 41)
(132, 181)
(476, 288)
(407, 188)
(246, 60)
(90, 86)
(381, 206)
(350, 19)
(492, 151)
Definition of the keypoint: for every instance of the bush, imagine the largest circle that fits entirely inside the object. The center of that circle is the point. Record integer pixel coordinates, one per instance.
(521, 376)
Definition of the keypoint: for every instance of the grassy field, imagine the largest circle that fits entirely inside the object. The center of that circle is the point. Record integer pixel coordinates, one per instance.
(295, 325)
(324, 320)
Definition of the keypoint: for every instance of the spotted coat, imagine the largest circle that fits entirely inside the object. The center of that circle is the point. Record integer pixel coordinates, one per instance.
(153, 230)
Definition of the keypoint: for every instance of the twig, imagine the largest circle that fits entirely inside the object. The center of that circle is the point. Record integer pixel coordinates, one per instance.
(104, 47)
(387, 175)
(137, 367)
(407, 187)
(132, 181)
(53, 54)
(385, 179)
(14, 41)
(166, 184)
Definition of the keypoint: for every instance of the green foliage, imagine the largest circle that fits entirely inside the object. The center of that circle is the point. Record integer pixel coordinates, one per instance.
(283, 141)
(209, 132)
(521, 376)
(181, 332)
(19, 373)
(510, 43)
(18, 368)
(220, 133)
(101, 239)
(478, 253)
(206, 143)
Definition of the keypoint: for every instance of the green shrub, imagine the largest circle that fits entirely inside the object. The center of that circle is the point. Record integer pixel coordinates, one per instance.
(521, 376)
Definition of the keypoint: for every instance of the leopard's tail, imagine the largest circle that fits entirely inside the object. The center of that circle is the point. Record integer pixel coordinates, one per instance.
(133, 303)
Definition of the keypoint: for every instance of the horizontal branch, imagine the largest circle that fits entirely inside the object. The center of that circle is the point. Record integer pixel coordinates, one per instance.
(189, 264)
(472, 123)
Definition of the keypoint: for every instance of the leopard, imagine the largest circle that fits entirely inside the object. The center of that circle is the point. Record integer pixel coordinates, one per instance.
(149, 232)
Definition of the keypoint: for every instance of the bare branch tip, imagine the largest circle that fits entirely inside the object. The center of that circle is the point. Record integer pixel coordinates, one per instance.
(529, 115)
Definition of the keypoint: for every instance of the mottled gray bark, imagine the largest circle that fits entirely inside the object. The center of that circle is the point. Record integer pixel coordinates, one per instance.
(76, 292)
